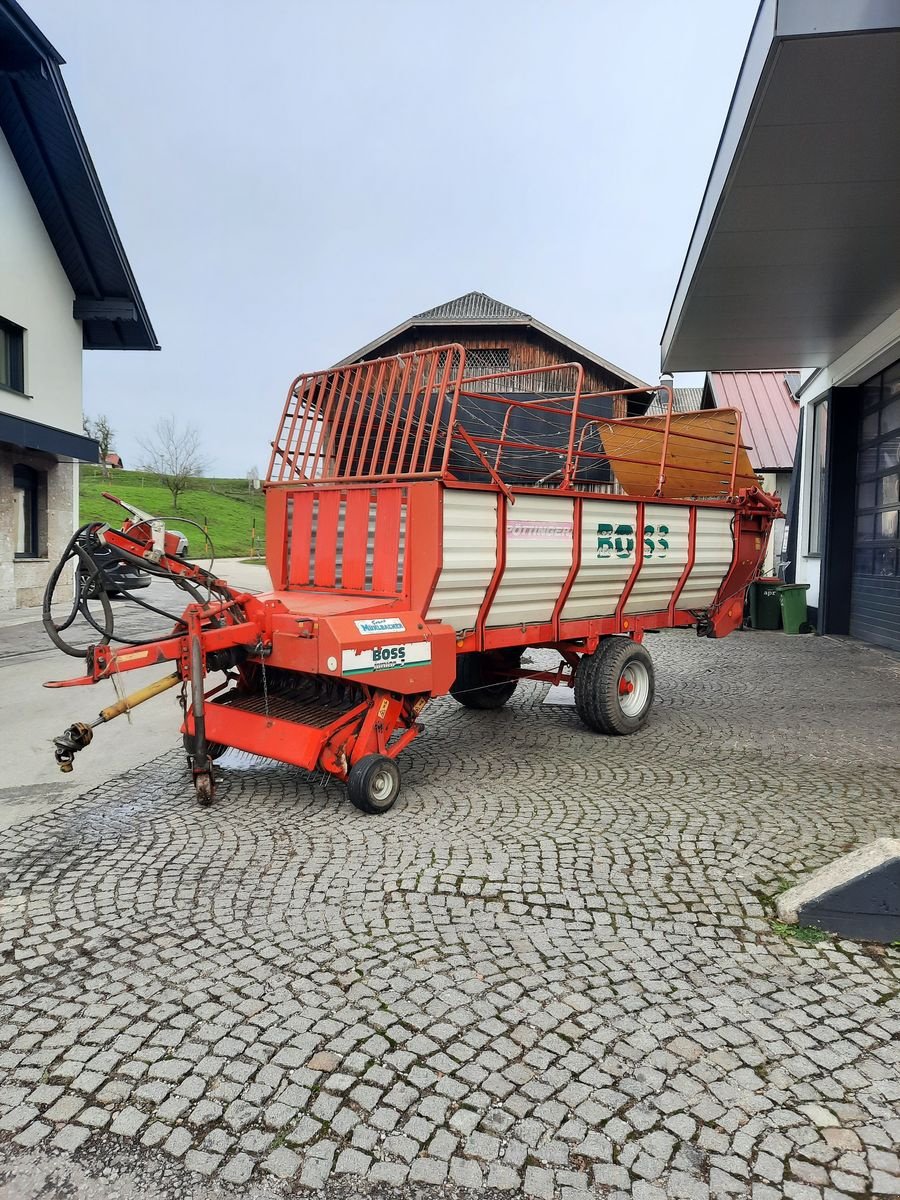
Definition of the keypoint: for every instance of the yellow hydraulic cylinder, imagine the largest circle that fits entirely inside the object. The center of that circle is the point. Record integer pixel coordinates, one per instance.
(127, 703)
(79, 735)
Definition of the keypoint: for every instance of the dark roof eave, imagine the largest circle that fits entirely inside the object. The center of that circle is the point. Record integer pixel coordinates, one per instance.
(40, 125)
(60, 444)
(37, 39)
(148, 335)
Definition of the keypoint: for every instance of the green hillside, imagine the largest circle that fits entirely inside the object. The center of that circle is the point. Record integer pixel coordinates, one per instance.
(225, 505)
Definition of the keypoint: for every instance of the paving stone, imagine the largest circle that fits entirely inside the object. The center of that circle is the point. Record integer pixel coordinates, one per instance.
(19, 1117)
(172, 1069)
(539, 1182)
(647, 1191)
(465, 1121)
(64, 1109)
(483, 1146)
(428, 1170)
(324, 1061)
(465, 1173)
(352, 1162)
(283, 1163)
(177, 1143)
(239, 1115)
(70, 1137)
(683, 1186)
(128, 1121)
(93, 1116)
(238, 1169)
(155, 1133)
(201, 1162)
(391, 1173)
(32, 1134)
(503, 1177)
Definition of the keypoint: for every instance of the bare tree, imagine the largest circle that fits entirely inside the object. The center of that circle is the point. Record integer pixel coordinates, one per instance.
(252, 479)
(173, 452)
(101, 431)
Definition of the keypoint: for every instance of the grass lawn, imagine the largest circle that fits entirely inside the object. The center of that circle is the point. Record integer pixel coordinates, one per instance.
(225, 505)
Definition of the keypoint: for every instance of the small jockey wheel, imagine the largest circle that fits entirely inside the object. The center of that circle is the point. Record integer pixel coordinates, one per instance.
(374, 784)
(204, 787)
(202, 768)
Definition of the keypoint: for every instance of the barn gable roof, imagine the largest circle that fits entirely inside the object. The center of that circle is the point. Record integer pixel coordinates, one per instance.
(477, 308)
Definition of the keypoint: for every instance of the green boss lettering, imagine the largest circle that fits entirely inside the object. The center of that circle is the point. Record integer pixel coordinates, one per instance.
(620, 541)
(395, 654)
(604, 541)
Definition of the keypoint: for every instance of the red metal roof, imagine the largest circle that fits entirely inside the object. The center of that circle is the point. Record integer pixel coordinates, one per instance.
(769, 413)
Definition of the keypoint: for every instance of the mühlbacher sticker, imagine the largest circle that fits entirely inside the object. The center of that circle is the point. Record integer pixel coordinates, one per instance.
(385, 658)
(380, 625)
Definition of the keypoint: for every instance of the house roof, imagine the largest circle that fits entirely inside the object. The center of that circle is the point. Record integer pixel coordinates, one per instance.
(769, 413)
(43, 133)
(795, 254)
(476, 308)
(473, 306)
(686, 399)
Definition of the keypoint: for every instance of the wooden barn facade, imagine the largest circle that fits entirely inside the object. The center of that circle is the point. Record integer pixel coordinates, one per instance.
(498, 338)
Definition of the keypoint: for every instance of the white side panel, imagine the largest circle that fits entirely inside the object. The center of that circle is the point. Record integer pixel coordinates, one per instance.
(469, 558)
(666, 531)
(715, 550)
(605, 565)
(539, 543)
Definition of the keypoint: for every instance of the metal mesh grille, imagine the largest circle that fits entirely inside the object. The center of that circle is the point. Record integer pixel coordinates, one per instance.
(488, 362)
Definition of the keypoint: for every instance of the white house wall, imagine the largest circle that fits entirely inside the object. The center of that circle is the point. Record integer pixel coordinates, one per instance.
(36, 294)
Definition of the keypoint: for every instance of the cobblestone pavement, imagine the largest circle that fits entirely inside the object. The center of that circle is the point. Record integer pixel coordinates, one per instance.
(549, 970)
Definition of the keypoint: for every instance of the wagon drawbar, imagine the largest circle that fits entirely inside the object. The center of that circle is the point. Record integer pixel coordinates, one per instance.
(425, 527)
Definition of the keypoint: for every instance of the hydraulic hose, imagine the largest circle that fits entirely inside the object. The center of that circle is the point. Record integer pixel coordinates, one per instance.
(90, 584)
(88, 580)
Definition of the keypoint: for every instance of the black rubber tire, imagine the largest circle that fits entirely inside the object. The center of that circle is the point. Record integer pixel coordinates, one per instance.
(597, 697)
(366, 779)
(205, 790)
(471, 687)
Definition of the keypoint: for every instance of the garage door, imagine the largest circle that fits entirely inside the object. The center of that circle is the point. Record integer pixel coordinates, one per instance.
(875, 593)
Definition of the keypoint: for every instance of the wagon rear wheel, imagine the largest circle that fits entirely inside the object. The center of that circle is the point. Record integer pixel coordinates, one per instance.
(374, 784)
(614, 687)
(476, 684)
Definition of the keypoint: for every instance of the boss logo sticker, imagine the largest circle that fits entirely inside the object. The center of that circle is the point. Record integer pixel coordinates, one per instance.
(385, 658)
(389, 654)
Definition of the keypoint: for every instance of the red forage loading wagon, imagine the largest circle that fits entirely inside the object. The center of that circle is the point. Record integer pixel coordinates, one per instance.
(423, 529)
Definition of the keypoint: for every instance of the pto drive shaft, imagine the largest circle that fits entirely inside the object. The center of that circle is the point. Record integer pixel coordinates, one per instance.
(79, 735)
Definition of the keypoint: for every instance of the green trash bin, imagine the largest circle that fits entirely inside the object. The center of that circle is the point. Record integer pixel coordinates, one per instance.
(793, 607)
(765, 604)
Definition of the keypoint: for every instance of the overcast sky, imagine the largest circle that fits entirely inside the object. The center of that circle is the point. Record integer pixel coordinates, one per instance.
(292, 178)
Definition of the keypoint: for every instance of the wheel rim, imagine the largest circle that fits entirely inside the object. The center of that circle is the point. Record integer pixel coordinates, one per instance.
(634, 689)
(382, 786)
